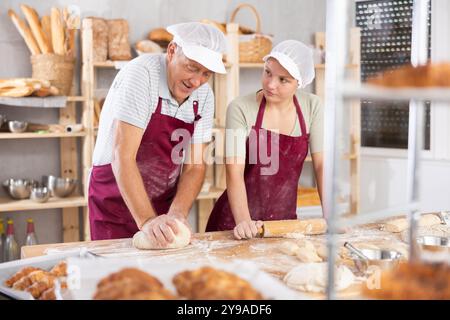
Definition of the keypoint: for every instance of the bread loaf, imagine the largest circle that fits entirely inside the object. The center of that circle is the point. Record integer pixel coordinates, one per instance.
(100, 39)
(161, 36)
(118, 45)
(429, 75)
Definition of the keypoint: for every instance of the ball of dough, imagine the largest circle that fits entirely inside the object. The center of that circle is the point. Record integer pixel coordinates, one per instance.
(312, 277)
(181, 239)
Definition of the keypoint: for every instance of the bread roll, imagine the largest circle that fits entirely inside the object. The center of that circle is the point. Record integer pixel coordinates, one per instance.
(147, 46)
(161, 36)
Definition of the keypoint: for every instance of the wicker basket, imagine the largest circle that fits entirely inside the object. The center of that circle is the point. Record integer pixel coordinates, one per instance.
(57, 69)
(252, 47)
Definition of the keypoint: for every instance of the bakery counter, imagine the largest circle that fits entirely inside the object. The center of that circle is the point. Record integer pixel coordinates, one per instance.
(276, 256)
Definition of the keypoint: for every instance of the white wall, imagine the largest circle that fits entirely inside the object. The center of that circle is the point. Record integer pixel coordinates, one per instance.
(383, 183)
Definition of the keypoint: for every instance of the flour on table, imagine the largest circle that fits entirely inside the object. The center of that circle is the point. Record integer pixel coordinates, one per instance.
(304, 250)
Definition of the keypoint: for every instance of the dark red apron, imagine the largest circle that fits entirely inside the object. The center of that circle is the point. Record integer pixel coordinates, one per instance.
(270, 197)
(109, 216)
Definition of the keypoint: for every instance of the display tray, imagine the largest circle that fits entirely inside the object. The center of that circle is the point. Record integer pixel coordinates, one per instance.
(87, 273)
(47, 262)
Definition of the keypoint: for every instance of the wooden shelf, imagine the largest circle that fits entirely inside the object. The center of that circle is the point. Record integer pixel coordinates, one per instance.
(348, 66)
(252, 65)
(76, 99)
(34, 135)
(213, 193)
(307, 197)
(110, 64)
(8, 204)
(249, 65)
(39, 102)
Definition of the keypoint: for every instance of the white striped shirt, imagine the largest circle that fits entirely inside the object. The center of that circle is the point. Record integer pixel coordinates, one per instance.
(133, 98)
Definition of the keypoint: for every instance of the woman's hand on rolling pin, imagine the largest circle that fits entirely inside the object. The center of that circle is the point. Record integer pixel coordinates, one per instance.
(247, 229)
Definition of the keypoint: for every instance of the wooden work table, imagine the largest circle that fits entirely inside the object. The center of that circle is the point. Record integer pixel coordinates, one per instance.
(221, 246)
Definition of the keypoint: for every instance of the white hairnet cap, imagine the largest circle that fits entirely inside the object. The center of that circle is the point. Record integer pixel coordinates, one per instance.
(296, 58)
(202, 43)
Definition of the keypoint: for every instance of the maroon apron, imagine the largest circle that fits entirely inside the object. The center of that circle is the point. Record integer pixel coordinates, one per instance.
(270, 197)
(109, 216)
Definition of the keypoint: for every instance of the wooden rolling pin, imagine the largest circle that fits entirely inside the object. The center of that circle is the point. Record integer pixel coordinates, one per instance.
(281, 228)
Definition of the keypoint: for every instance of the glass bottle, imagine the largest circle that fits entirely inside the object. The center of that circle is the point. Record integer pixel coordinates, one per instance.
(11, 247)
(31, 238)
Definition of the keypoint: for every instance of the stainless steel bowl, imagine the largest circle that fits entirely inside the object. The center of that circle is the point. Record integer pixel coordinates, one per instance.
(382, 259)
(434, 243)
(40, 194)
(17, 126)
(62, 187)
(19, 188)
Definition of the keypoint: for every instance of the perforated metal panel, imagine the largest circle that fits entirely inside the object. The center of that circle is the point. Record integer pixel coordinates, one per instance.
(386, 27)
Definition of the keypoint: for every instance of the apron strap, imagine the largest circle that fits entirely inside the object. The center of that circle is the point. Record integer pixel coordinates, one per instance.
(159, 106)
(195, 105)
(196, 115)
(300, 116)
(262, 107)
(259, 118)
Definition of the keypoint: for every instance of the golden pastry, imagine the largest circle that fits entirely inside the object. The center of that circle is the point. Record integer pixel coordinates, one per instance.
(414, 282)
(211, 284)
(134, 274)
(131, 284)
(19, 275)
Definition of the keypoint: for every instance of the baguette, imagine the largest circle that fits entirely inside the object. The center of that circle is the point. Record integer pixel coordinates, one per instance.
(69, 44)
(47, 29)
(21, 82)
(16, 92)
(25, 32)
(46, 127)
(57, 31)
(36, 29)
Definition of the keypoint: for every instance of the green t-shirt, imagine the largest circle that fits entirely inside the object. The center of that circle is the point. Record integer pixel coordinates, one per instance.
(242, 113)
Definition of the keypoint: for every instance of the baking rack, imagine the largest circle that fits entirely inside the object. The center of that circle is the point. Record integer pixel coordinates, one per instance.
(337, 91)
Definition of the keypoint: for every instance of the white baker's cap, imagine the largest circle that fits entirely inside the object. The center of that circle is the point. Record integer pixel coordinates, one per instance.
(296, 58)
(202, 43)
